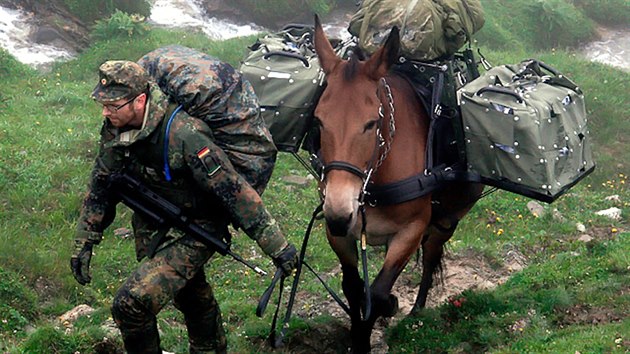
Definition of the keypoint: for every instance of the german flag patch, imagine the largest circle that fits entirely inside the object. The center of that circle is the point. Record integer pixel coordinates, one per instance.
(208, 162)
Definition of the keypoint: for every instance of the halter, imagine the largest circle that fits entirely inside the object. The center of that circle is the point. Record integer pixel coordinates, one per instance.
(381, 148)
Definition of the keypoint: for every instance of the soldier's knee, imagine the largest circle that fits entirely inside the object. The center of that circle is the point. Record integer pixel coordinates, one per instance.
(127, 311)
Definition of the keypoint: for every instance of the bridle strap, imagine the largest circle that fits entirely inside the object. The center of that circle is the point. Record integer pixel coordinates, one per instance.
(344, 166)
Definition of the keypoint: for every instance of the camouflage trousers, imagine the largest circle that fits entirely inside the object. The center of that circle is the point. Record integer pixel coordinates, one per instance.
(174, 273)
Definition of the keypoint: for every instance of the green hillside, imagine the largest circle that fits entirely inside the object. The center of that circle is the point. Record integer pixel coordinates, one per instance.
(572, 295)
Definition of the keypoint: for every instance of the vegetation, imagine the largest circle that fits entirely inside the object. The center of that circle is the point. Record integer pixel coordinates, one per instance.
(573, 296)
(93, 10)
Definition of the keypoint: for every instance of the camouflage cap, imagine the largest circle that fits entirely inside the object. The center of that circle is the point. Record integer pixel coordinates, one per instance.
(119, 79)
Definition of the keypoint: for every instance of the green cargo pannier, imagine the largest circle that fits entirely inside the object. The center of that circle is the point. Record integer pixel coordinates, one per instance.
(285, 73)
(525, 130)
(428, 29)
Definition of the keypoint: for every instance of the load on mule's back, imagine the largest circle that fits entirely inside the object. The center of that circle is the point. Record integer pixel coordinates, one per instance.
(215, 92)
(373, 139)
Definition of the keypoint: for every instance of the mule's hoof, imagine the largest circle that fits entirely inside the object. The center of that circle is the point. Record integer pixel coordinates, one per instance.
(392, 307)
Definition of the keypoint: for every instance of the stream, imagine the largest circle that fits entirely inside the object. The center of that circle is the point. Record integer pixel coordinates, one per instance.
(15, 29)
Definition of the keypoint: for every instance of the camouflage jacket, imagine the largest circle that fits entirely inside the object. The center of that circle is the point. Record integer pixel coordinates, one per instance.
(204, 182)
(215, 92)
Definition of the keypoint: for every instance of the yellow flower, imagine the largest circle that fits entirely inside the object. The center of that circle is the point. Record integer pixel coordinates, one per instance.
(614, 230)
(499, 232)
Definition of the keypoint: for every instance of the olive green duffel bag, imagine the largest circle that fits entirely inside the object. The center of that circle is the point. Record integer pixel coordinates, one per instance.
(525, 130)
(285, 73)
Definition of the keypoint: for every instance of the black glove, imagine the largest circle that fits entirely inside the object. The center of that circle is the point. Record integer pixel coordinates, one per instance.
(80, 261)
(287, 260)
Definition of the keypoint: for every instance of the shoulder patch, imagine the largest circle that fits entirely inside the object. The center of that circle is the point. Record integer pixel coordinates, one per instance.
(210, 164)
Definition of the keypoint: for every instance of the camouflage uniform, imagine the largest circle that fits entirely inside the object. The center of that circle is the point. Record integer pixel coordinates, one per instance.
(204, 184)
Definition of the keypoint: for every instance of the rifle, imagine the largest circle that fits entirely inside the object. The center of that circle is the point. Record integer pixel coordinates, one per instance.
(142, 200)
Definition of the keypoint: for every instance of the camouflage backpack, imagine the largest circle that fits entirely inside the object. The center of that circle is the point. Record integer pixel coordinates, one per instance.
(215, 92)
(429, 29)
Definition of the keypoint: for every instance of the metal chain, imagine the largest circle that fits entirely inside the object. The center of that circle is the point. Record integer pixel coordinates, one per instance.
(392, 123)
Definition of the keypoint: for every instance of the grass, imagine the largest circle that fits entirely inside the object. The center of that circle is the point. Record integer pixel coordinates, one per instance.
(572, 296)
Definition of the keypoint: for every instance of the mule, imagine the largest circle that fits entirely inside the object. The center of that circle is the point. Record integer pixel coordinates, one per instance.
(360, 148)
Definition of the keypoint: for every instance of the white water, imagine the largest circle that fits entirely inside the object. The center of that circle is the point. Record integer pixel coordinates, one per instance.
(188, 14)
(15, 28)
(613, 49)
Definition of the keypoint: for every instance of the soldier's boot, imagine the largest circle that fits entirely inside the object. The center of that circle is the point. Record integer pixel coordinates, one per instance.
(137, 325)
(203, 316)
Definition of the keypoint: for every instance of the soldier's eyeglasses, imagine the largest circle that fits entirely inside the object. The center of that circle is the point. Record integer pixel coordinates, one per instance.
(115, 109)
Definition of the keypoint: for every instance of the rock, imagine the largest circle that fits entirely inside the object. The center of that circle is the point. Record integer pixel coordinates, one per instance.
(535, 208)
(123, 232)
(297, 180)
(110, 328)
(580, 227)
(585, 238)
(612, 213)
(557, 215)
(71, 316)
(613, 198)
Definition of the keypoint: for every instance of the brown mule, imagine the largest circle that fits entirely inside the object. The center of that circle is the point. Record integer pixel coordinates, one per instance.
(360, 147)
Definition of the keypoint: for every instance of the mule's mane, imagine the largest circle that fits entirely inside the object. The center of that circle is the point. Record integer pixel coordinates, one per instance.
(356, 56)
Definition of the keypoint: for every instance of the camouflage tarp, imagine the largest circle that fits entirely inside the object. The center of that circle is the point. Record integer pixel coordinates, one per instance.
(428, 29)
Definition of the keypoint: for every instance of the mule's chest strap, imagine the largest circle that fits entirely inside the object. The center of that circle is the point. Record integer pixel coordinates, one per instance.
(412, 187)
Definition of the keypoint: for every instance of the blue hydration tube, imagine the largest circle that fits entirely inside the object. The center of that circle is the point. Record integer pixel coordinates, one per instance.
(167, 169)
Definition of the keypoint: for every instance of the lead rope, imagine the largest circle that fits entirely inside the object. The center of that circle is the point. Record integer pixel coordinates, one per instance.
(276, 340)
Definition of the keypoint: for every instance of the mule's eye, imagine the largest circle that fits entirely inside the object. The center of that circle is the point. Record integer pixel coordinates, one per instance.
(370, 125)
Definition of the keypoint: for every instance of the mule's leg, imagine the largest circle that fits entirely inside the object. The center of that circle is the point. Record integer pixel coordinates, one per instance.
(400, 249)
(432, 252)
(353, 289)
(452, 204)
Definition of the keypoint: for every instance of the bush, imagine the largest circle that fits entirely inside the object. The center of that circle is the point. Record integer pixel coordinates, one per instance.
(559, 23)
(120, 24)
(18, 303)
(92, 10)
(607, 12)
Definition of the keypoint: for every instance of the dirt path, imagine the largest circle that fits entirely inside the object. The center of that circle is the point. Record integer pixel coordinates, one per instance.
(461, 272)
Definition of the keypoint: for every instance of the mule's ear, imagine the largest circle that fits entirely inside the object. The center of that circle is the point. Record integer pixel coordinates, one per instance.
(386, 56)
(325, 52)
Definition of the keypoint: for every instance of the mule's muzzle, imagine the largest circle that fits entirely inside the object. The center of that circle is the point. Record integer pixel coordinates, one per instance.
(339, 226)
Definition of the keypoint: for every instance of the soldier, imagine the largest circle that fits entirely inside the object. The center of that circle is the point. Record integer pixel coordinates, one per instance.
(201, 180)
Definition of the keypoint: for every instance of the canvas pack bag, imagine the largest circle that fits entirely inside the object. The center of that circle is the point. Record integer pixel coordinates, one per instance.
(526, 130)
(285, 73)
(429, 29)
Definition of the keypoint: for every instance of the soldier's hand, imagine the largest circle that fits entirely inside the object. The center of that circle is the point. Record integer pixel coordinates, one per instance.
(80, 261)
(287, 260)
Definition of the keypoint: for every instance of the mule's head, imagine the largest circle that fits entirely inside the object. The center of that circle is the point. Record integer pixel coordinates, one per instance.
(348, 115)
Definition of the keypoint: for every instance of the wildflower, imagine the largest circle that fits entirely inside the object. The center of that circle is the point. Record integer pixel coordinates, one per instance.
(614, 230)
(500, 232)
